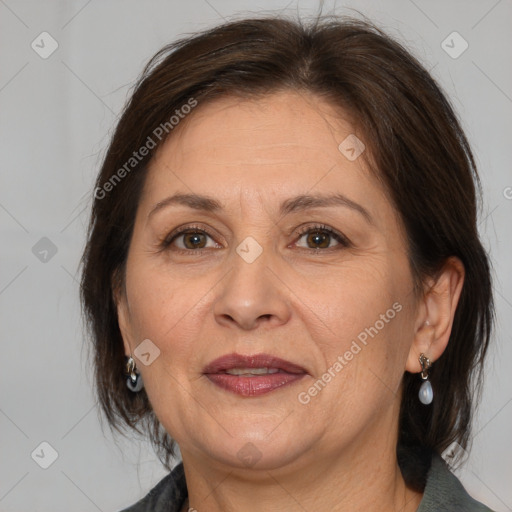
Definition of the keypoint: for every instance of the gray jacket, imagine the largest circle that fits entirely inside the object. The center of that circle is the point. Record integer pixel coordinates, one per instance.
(443, 493)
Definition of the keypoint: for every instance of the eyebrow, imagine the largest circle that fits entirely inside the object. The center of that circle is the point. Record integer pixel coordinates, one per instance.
(293, 204)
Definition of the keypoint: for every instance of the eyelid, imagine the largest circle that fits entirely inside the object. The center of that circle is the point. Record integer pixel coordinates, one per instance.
(168, 239)
(340, 237)
(299, 232)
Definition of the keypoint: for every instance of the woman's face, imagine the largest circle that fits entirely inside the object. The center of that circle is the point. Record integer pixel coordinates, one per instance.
(260, 274)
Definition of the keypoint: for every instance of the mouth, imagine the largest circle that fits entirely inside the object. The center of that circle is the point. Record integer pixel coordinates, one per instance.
(252, 375)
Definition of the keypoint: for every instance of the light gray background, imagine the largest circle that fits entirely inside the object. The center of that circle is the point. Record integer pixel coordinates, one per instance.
(56, 115)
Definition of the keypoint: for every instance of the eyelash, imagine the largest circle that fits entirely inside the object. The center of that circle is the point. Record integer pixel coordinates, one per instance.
(191, 229)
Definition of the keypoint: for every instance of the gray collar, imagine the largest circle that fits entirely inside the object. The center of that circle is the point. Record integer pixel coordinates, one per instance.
(444, 492)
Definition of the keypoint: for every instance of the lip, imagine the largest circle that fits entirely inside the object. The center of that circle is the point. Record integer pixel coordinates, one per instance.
(255, 385)
(234, 360)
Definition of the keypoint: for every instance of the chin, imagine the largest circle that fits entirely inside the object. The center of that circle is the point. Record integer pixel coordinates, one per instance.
(257, 450)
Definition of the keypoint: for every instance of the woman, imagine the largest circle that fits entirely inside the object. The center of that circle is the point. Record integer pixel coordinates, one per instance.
(283, 273)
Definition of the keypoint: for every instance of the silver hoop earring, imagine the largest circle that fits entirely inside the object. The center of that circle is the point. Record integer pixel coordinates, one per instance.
(134, 380)
(426, 393)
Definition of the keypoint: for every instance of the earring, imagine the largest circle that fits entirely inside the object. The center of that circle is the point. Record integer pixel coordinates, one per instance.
(426, 394)
(134, 380)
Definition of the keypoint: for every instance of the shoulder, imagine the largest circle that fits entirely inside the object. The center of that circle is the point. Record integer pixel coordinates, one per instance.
(168, 495)
(444, 492)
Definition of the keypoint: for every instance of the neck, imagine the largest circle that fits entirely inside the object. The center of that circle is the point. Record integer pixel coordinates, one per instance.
(368, 482)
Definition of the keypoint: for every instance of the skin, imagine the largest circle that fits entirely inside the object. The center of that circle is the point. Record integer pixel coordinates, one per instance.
(299, 302)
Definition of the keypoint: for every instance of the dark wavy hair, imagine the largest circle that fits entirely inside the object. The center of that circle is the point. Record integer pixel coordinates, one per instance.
(415, 146)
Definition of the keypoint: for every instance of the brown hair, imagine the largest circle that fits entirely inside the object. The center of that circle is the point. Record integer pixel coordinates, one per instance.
(417, 149)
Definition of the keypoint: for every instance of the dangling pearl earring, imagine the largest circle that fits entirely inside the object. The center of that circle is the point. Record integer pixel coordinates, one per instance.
(426, 394)
(134, 380)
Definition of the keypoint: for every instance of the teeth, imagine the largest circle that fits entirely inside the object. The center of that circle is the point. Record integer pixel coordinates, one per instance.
(251, 371)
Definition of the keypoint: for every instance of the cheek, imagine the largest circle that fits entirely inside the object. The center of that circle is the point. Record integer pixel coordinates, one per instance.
(364, 332)
(164, 309)
(350, 298)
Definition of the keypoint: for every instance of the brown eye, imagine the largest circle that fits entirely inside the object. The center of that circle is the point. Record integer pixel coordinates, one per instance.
(193, 240)
(319, 237)
(318, 240)
(189, 239)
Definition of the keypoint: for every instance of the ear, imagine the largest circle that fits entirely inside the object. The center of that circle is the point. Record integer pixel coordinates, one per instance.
(123, 315)
(436, 313)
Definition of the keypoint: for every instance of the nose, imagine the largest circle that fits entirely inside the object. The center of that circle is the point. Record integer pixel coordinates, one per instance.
(251, 295)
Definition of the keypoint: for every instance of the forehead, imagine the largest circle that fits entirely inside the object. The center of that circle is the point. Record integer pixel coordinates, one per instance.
(287, 139)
